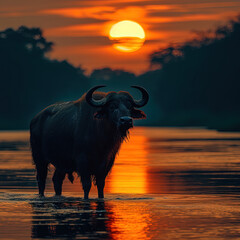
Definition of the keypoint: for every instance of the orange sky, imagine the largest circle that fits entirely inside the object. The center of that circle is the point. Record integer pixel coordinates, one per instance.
(80, 29)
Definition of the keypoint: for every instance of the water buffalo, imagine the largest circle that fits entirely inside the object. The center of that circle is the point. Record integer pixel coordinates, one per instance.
(83, 136)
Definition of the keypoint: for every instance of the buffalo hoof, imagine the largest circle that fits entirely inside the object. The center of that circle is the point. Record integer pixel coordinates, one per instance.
(58, 197)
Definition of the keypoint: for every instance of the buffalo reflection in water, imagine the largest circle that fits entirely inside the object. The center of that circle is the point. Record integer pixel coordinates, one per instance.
(71, 219)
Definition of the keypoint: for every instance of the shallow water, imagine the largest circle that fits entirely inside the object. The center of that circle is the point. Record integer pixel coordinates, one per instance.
(167, 183)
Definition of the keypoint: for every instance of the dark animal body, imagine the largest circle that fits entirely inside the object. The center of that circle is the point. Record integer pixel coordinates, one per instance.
(82, 136)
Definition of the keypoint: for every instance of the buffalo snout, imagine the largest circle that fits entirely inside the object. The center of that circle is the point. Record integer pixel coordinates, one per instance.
(126, 122)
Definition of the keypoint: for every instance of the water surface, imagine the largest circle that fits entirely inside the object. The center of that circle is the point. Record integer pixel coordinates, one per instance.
(167, 183)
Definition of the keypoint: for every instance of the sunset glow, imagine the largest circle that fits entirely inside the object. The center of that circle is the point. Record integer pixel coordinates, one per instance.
(80, 30)
(127, 36)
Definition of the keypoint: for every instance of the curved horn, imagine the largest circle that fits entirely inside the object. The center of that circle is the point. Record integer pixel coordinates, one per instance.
(142, 102)
(91, 101)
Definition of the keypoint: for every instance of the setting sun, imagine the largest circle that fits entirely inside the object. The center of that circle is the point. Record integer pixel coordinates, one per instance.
(127, 36)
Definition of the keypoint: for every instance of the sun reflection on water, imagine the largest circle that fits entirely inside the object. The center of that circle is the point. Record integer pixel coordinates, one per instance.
(129, 221)
(129, 173)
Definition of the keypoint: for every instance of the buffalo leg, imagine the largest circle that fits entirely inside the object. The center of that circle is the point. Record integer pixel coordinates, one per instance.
(41, 178)
(57, 179)
(100, 181)
(83, 170)
(86, 184)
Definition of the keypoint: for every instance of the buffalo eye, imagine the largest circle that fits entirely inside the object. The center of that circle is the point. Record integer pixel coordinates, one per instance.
(138, 114)
(99, 114)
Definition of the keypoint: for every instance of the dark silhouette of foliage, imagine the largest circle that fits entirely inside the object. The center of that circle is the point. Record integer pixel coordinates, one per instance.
(198, 81)
(30, 80)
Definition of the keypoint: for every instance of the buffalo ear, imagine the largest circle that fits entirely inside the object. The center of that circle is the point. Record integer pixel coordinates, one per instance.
(138, 114)
(99, 115)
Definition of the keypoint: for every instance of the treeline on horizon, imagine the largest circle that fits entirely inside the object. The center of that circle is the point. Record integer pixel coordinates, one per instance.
(195, 83)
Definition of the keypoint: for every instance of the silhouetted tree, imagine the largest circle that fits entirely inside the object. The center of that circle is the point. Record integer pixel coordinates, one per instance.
(198, 81)
(29, 79)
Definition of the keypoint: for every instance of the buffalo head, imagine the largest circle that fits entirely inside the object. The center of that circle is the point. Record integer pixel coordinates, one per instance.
(118, 107)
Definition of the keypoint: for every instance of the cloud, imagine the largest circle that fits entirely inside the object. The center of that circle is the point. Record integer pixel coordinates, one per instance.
(123, 3)
(81, 40)
(100, 12)
(197, 8)
(45, 22)
(182, 26)
(76, 30)
(83, 12)
(190, 18)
